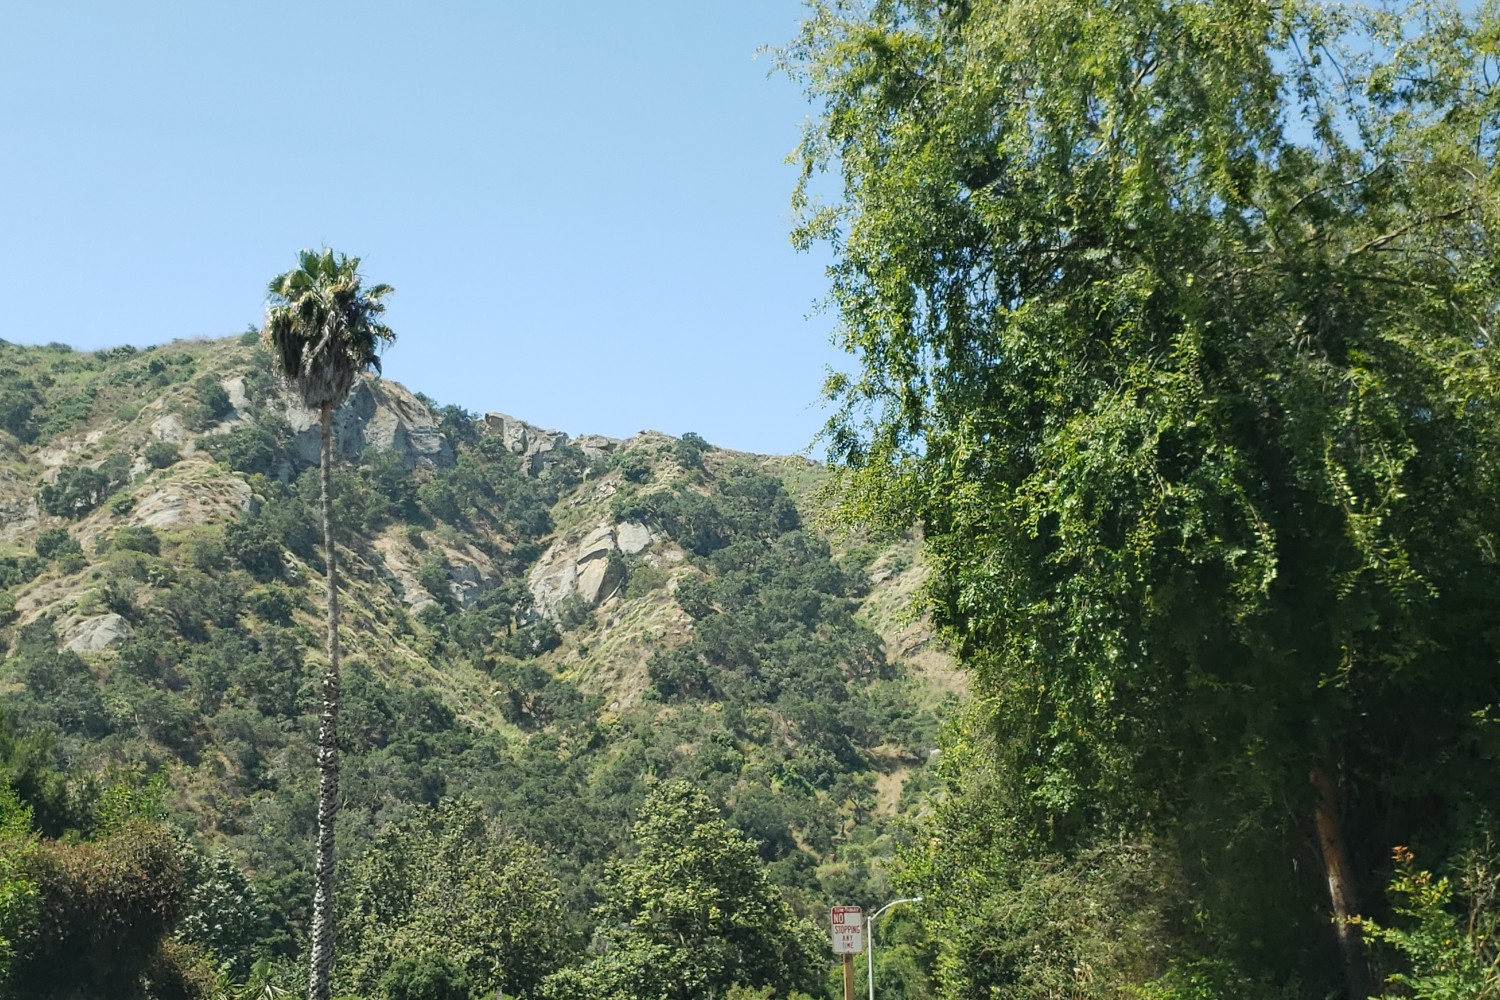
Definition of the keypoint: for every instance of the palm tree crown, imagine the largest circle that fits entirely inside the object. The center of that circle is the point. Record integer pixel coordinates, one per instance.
(324, 327)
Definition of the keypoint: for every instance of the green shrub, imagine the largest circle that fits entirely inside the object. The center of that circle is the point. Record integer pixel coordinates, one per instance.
(55, 543)
(19, 403)
(426, 976)
(645, 578)
(210, 403)
(432, 574)
(573, 612)
(636, 467)
(80, 488)
(688, 450)
(1448, 956)
(137, 538)
(272, 603)
(161, 454)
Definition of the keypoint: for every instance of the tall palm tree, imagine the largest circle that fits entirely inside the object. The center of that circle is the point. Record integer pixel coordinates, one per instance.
(324, 331)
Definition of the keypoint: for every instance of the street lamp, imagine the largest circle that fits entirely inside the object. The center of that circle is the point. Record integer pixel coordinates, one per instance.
(870, 945)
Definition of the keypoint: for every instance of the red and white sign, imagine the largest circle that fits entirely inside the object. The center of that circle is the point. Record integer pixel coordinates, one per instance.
(848, 924)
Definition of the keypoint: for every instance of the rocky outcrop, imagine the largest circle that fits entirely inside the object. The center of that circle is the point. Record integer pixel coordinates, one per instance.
(378, 415)
(100, 632)
(18, 516)
(169, 428)
(583, 567)
(597, 445)
(194, 496)
(532, 443)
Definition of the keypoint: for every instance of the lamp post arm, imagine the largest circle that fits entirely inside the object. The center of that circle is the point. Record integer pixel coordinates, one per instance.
(870, 944)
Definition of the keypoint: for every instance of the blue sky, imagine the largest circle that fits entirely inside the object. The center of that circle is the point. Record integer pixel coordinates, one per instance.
(583, 207)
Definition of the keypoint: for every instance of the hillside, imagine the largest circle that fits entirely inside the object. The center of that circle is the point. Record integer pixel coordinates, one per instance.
(541, 625)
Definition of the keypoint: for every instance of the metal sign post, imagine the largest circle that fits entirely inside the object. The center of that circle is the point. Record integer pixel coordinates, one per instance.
(847, 924)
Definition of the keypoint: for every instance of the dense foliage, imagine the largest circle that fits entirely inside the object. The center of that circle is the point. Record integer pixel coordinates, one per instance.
(1173, 332)
(489, 788)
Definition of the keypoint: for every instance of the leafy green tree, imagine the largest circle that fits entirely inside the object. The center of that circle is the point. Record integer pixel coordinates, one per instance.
(19, 402)
(1451, 955)
(211, 402)
(1173, 325)
(81, 488)
(103, 910)
(323, 329)
(56, 542)
(445, 895)
(692, 913)
(221, 909)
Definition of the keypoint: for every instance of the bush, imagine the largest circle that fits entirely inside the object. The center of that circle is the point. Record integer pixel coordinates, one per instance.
(645, 578)
(272, 603)
(78, 490)
(1448, 956)
(428, 976)
(56, 542)
(433, 576)
(211, 403)
(688, 450)
(635, 467)
(161, 454)
(572, 612)
(137, 538)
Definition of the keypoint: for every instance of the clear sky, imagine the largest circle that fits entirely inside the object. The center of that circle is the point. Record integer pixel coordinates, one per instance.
(583, 207)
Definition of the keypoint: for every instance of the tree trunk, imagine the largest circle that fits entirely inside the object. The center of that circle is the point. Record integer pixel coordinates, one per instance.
(328, 747)
(1341, 894)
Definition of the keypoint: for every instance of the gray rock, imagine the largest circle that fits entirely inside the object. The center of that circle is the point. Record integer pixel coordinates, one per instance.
(180, 502)
(633, 538)
(597, 445)
(378, 415)
(168, 427)
(527, 440)
(17, 516)
(100, 632)
(583, 567)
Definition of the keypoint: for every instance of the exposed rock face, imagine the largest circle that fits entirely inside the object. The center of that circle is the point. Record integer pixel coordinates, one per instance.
(583, 567)
(193, 499)
(470, 574)
(527, 440)
(18, 516)
(597, 445)
(94, 634)
(379, 415)
(168, 427)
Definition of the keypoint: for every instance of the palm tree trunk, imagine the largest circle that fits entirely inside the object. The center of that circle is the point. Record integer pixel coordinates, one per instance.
(328, 746)
(1330, 822)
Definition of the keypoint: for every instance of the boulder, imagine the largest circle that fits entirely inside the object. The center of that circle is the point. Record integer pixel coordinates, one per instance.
(379, 415)
(169, 428)
(582, 567)
(93, 634)
(597, 445)
(19, 515)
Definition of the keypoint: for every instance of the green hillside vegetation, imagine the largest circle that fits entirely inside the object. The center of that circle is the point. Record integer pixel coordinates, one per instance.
(162, 608)
(1140, 640)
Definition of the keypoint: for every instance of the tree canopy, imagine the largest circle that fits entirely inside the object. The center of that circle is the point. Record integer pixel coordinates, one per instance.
(1172, 325)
